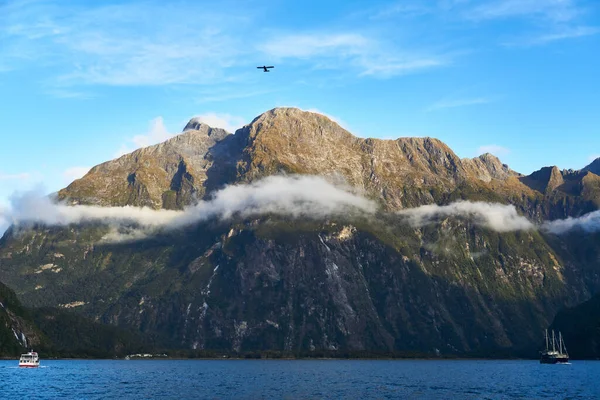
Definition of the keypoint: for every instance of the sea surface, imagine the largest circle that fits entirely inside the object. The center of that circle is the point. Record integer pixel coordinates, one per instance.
(299, 379)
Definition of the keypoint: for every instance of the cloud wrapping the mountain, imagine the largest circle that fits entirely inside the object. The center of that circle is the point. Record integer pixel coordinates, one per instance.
(299, 196)
(32, 207)
(292, 196)
(588, 223)
(4, 223)
(498, 217)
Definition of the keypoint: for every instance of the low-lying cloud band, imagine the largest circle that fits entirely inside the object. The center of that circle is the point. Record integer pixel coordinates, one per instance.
(293, 196)
(498, 217)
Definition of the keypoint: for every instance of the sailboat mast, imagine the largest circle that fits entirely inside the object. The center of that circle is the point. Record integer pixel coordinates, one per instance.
(564, 347)
(546, 339)
(553, 342)
(560, 342)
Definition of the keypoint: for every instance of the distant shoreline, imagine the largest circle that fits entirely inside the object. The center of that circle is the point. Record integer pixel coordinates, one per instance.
(285, 359)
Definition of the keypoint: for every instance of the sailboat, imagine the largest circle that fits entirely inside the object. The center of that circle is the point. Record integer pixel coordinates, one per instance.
(556, 351)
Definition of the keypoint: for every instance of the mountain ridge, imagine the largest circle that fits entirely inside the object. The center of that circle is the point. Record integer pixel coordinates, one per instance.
(341, 283)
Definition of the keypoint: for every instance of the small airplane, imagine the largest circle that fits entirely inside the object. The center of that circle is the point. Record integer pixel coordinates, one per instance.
(265, 68)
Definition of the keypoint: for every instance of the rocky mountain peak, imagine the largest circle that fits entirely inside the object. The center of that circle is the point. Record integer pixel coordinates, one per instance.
(545, 180)
(166, 175)
(196, 124)
(294, 122)
(405, 172)
(487, 167)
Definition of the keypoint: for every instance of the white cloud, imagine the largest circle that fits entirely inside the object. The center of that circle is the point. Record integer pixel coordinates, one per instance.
(157, 133)
(135, 43)
(555, 10)
(398, 66)
(553, 20)
(224, 121)
(73, 173)
(562, 34)
(33, 207)
(294, 196)
(401, 9)
(311, 45)
(442, 104)
(498, 217)
(339, 50)
(588, 223)
(4, 222)
(493, 149)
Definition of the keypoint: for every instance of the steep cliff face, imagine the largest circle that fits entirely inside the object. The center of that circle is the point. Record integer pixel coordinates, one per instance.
(284, 285)
(345, 283)
(18, 332)
(167, 175)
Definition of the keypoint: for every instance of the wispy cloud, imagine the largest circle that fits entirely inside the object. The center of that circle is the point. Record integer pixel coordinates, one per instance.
(554, 10)
(442, 104)
(157, 133)
(494, 149)
(371, 57)
(403, 9)
(311, 45)
(142, 43)
(587, 223)
(498, 217)
(552, 20)
(562, 34)
(390, 67)
(136, 43)
(293, 196)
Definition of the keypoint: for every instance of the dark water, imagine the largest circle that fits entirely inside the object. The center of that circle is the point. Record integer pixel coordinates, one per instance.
(195, 379)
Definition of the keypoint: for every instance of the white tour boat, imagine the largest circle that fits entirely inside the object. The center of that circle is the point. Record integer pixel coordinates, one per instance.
(29, 360)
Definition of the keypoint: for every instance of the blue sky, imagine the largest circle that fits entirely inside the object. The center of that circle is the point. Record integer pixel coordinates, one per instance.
(82, 82)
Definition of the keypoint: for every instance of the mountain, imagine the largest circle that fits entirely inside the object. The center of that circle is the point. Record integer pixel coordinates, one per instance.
(342, 283)
(56, 332)
(17, 329)
(168, 175)
(580, 326)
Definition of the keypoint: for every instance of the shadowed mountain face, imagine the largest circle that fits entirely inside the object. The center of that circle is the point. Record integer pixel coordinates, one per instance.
(341, 283)
(18, 332)
(580, 326)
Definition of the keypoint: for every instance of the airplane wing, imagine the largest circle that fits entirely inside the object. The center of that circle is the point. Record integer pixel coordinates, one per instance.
(260, 67)
(271, 67)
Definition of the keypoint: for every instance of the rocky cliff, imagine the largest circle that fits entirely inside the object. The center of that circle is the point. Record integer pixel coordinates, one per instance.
(342, 283)
(18, 332)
